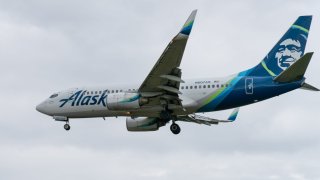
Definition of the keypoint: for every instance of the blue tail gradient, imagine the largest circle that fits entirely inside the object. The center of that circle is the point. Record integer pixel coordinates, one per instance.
(287, 50)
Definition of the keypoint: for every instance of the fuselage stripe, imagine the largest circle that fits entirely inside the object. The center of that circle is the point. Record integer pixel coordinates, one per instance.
(267, 69)
(214, 100)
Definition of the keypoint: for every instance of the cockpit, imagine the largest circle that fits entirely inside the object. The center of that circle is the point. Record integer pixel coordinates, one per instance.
(53, 95)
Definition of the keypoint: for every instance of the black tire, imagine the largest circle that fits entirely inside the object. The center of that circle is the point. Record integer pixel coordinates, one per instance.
(66, 127)
(175, 128)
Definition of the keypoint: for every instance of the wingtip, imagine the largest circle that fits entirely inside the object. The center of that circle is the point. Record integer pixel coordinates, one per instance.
(186, 29)
(234, 114)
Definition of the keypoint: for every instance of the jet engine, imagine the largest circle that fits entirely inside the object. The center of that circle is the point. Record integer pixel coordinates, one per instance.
(125, 101)
(142, 124)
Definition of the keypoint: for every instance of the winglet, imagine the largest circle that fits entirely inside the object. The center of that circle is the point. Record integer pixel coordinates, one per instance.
(296, 70)
(186, 29)
(233, 115)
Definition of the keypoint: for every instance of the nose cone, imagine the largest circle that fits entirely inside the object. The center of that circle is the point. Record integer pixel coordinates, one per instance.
(42, 107)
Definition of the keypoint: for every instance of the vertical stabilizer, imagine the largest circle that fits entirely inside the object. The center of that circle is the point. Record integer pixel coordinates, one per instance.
(288, 49)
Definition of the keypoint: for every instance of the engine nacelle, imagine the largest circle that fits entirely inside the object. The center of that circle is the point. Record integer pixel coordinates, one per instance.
(125, 101)
(142, 124)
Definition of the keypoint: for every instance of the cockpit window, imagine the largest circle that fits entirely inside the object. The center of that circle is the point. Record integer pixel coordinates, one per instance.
(53, 95)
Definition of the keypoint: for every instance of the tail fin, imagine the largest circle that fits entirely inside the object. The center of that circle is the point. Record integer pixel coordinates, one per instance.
(287, 50)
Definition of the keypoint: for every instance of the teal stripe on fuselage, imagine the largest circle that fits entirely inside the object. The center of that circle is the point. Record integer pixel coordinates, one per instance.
(212, 105)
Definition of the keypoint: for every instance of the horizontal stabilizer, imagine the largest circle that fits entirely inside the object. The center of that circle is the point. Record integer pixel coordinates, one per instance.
(296, 71)
(309, 87)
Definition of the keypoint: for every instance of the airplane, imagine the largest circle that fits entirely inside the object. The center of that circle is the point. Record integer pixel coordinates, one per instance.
(164, 97)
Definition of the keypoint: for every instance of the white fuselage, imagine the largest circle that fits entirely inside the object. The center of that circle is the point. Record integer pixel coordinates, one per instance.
(91, 102)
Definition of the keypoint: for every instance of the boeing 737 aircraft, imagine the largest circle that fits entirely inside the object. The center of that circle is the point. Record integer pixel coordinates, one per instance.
(165, 97)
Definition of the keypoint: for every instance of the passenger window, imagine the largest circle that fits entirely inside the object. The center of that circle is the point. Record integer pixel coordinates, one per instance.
(217, 85)
(190, 87)
(112, 91)
(186, 87)
(226, 85)
(222, 85)
(204, 86)
(116, 91)
(212, 85)
(182, 87)
(200, 87)
(195, 87)
(120, 90)
(99, 92)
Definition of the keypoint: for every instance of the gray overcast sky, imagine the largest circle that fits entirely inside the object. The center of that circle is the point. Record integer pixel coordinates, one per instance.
(47, 46)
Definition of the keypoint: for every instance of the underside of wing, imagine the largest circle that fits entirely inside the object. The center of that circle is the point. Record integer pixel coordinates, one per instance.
(164, 79)
(195, 118)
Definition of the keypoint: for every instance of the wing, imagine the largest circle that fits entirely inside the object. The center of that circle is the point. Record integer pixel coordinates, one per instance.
(206, 120)
(165, 77)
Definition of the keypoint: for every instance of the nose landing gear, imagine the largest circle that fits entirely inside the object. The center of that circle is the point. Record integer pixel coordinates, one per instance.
(67, 126)
(64, 119)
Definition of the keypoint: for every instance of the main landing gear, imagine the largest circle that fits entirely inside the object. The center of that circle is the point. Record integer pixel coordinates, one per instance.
(166, 116)
(175, 129)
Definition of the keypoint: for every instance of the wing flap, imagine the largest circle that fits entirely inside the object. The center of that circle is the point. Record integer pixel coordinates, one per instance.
(206, 120)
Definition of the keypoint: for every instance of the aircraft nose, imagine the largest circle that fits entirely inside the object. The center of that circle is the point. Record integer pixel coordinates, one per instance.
(42, 108)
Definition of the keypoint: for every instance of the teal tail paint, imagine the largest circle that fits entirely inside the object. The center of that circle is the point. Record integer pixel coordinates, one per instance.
(287, 50)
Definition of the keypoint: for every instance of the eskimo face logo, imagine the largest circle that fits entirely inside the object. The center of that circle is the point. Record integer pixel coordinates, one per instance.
(288, 52)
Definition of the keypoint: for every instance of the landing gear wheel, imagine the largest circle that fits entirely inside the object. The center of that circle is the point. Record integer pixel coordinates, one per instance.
(175, 129)
(66, 127)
